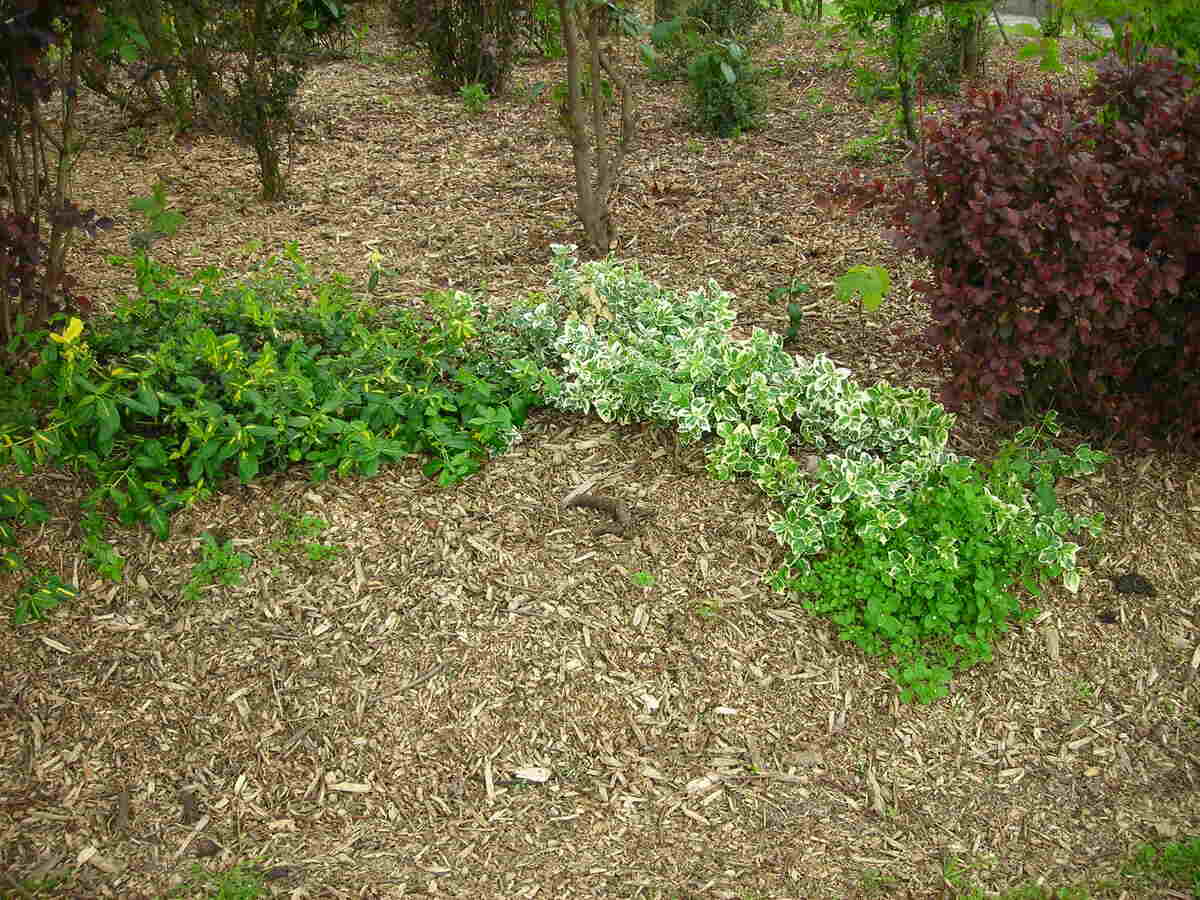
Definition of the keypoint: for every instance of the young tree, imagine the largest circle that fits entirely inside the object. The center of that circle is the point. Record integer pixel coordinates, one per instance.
(904, 23)
(597, 156)
(965, 20)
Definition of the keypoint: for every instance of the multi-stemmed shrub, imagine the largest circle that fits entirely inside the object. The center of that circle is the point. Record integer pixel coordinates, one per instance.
(901, 541)
(1064, 233)
(468, 41)
(42, 49)
(727, 18)
(726, 98)
(236, 65)
(325, 23)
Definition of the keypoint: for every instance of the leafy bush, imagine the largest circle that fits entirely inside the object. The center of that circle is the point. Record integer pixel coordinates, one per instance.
(947, 578)
(1066, 249)
(1139, 26)
(239, 64)
(468, 41)
(941, 54)
(608, 340)
(671, 47)
(541, 30)
(194, 380)
(726, 99)
(324, 22)
(728, 18)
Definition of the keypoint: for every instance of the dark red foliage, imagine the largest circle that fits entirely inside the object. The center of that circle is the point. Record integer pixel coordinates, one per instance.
(34, 283)
(1064, 232)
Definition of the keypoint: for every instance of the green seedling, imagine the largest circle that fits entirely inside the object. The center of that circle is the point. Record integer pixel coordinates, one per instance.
(161, 220)
(643, 579)
(708, 607)
(869, 284)
(475, 97)
(219, 564)
(795, 312)
(300, 534)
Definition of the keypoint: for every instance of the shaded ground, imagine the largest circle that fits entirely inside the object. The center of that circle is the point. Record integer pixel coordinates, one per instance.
(378, 723)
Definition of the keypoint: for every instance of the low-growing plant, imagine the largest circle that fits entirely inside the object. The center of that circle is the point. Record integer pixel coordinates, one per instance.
(101, 553)
(41, 593)
(726, 99)
(795, 312)
(867, 284)
(198, 379)
(1178, 862)
(612, 342)
(885, 145)
(301, 531)
(643, 579)
(162, 219)
(870, 85)
(948, 580)
(17, 508)
(219, 563)
(475, 97)
(244, 881)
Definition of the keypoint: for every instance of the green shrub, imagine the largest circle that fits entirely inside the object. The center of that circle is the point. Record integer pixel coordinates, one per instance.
(475, 97)
(324, 22)
(728, 18)
(940, 55)
(672, 46)
(949, 577)
(197, 379)
(468, 41)
(726, 99)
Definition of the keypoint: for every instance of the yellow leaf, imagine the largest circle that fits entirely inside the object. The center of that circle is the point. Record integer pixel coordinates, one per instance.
(73, 330)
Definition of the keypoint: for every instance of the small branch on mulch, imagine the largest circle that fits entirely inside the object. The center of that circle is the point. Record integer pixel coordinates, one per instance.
(611, 505)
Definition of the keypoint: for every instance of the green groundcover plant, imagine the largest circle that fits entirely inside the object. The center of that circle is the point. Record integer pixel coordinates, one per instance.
(195, 380)
(911, 549)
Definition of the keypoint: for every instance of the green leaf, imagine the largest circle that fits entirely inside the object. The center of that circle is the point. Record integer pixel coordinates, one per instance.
(247, 466)
(156, 518)
(148, 398)
(869, 282)
(119, 498)
(110, 419)
(21, 457)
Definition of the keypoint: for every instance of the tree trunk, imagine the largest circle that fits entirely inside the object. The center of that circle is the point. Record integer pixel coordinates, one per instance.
(590, 142)
(967, 35)
(902, 24)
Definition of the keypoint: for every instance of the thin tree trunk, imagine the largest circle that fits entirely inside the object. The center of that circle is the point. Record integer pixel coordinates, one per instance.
(590, 148)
